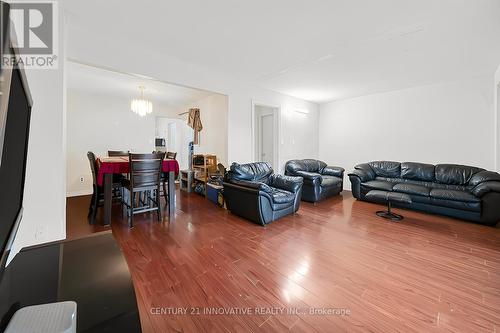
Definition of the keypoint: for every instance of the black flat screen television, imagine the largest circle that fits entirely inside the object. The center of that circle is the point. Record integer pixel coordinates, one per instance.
(15, 112)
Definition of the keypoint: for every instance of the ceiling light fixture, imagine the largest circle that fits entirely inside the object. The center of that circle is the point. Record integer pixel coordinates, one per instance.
(141, 106)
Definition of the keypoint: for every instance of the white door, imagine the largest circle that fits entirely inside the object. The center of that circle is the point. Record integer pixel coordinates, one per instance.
(172, 135)
(267, 139)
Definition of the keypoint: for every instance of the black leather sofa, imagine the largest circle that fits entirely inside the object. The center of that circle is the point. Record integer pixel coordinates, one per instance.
(320, 181)
(254, 192)
(459, 191)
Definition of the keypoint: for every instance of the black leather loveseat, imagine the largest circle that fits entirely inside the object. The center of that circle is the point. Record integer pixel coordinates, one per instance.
(460, 191)
(320, 181)
(254, 192)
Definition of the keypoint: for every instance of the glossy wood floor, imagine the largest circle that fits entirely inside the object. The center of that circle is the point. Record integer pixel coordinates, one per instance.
(424, 274)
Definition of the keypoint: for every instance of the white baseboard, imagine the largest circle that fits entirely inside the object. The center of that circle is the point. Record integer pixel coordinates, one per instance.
(78, 193)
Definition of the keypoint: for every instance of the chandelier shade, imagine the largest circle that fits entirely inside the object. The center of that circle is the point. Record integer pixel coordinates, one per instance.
(141, 106)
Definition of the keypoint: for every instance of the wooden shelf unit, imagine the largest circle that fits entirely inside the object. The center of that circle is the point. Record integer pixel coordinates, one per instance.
(187, 177)
(202, 171)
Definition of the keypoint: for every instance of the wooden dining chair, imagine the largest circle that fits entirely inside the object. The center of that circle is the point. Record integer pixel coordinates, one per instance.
(97, 199)
(118, 153)
(145, 173)
(162, 153)
(163, 178)
(114, 153)
(171, 155)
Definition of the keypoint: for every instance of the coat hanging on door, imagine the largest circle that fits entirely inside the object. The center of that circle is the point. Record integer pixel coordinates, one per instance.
(194, 121)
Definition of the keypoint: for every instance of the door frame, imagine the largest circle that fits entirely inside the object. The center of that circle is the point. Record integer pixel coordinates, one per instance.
(172, 125)
(277, 132)
(260, 147)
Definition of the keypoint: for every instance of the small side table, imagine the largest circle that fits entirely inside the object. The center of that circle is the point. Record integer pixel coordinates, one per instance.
(187, 178)
(377, 195)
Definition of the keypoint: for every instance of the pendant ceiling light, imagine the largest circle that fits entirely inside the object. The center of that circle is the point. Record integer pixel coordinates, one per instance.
(141, 106)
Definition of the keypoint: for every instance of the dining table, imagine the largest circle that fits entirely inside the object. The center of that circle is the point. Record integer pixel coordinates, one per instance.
(109, 166)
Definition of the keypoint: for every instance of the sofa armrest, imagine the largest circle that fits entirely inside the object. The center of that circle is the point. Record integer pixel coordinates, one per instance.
(258, 186)
(361, 174)
(485, 187)
(308, 175)
(250, 203)
(287, 183)
(484, 176)
(355, 185)
(333, 171)
(366, 169)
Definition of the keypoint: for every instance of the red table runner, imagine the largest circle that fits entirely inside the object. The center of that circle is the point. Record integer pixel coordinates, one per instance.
(121, 165)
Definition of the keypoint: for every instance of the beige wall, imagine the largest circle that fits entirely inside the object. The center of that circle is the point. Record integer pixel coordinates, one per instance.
(44, 215)
(497, 115)
(444, 123)
(213, 137)
(100, 123)
(294, 142)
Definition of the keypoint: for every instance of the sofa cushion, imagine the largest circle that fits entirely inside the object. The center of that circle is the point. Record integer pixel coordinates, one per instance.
(253, 184)
(448, 187)
(455, 174)
(287, 183)
(281, 196)
(454, 195)
(378, 185)
(417, 171)
(386, 168)
(365, 172)
(259, 171)
(330, 181)
(308, 165)
(459, 205)
(412, 189)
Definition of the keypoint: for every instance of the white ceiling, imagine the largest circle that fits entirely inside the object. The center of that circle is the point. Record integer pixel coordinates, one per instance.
(94, 80)
(317, 50)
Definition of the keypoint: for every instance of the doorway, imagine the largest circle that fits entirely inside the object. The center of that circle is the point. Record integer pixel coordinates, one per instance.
(177, 135)
(266, 133)
(172, 136)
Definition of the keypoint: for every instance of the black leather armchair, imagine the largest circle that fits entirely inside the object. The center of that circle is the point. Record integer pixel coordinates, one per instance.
(459, 191)
(320, 181)
(254, 192)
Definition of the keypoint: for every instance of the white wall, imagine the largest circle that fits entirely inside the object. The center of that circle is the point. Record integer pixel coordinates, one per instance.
(120, 55)
(259, 111)
(44, 218)
(497, 114)
(100, 123)
(213, 137)
(184, 135)
(299, 133)
(445, 123)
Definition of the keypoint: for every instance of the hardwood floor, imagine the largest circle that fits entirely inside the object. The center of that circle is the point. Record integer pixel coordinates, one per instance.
(423, 274)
